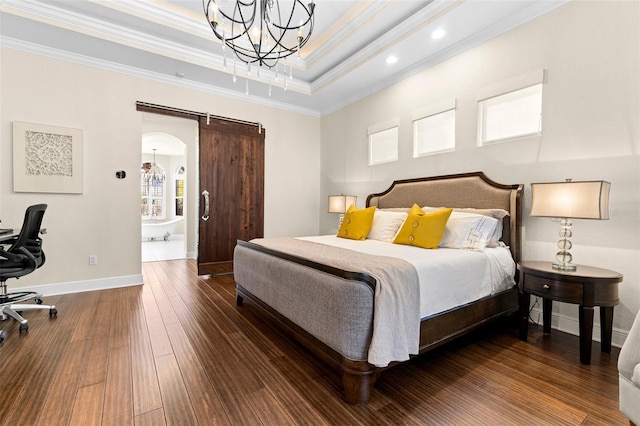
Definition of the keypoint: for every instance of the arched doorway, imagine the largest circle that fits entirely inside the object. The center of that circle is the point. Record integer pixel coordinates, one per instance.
(163, 207)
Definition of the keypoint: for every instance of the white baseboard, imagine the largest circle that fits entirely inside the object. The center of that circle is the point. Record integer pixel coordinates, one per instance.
(572, 326)
(80, 286)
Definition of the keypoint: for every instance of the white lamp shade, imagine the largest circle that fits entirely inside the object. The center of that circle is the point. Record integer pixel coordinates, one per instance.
(579, 200)
(340, 203)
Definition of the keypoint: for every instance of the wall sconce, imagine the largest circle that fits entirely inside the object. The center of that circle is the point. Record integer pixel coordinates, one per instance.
(340, 204)
(569, 200)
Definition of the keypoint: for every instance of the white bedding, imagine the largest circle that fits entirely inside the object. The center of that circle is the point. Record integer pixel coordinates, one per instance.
(448, 277)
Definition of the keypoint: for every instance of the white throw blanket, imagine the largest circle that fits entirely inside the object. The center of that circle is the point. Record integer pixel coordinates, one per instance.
(396, 318)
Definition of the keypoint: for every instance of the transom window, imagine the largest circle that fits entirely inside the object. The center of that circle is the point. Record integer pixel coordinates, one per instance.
(383, 142)
(434, 133)
(510, 115)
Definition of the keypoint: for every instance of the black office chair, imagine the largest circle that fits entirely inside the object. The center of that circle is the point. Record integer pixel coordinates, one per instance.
(20, 255)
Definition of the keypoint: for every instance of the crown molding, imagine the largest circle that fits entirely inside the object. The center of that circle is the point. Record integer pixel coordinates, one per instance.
(149, 12)
(10, 43)
(352, 24)
(391, 37)
(495, 30)
(51, 15)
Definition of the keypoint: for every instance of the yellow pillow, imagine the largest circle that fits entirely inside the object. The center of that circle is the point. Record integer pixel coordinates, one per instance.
(422, 229)
(357, 223)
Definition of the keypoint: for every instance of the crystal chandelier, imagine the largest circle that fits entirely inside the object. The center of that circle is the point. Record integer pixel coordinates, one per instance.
(153, 174)
(261, 32)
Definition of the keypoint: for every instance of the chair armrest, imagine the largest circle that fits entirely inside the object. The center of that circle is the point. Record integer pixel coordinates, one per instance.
(25, 258)
(8, 240)
(630, 352)
(14, 257)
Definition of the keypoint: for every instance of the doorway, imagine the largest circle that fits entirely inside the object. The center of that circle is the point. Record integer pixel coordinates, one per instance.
(167, 199)
(231, 152)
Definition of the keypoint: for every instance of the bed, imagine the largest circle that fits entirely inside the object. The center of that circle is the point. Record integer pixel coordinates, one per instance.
(326, 297)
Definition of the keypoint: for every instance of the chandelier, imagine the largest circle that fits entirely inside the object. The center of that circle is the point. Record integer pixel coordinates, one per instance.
(152, 173)
(261, 32)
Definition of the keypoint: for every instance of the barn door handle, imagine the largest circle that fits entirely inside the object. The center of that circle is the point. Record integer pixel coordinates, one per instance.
(205, 194)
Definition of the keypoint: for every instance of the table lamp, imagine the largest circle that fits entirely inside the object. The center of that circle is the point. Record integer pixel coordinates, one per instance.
(340, 204)
(569, 200)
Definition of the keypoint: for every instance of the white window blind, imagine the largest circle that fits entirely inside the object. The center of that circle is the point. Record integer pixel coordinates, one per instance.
(511, 108)
(434, 133)
(383, 142)
(514, 114)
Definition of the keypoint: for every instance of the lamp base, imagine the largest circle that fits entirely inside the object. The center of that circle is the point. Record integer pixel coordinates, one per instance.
(564, 266)
(563, 257)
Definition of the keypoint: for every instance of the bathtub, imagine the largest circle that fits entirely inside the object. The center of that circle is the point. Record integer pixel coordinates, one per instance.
(152, 230)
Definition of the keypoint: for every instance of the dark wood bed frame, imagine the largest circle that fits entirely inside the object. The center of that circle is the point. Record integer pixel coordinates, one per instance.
(359, 376)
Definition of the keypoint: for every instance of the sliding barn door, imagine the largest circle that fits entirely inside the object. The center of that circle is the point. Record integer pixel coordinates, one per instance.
(231, 191)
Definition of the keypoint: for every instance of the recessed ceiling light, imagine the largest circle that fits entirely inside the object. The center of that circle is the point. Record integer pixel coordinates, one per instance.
(391, 60)
(439, 33)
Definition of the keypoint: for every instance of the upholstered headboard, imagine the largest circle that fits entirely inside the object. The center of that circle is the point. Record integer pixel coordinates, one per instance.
(466, 190)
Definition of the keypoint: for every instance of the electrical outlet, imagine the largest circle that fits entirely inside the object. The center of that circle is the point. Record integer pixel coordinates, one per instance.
(93, 259)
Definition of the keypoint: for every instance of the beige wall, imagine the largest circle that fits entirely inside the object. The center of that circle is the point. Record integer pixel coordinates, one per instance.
(591, 130)
(104, 219)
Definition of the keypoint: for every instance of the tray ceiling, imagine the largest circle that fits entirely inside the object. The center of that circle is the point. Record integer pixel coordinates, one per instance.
(344, 61)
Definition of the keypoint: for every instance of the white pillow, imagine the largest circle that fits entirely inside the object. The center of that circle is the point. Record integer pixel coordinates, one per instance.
(469, 231)
(496, 237)
(385, 225)
(498, 214)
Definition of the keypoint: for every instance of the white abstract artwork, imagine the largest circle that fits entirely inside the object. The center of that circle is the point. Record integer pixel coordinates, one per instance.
(48, 154)
(46, 158)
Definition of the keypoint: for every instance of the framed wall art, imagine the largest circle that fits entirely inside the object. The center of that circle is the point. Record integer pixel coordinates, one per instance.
(47, 158)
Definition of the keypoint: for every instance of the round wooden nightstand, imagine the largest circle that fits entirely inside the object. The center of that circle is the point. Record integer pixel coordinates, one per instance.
(587, 286)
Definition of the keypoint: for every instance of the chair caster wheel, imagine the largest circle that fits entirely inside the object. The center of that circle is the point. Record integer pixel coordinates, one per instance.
(3, 336)
(53, 312)
(38, 301)
(24, 327)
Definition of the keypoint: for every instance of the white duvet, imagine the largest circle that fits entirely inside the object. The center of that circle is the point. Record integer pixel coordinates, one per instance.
(448, 277)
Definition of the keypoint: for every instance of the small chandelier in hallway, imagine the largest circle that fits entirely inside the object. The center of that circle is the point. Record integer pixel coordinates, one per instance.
(153, 174)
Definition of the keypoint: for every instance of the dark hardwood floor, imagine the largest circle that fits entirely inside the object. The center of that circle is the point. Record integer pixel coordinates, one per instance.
(178, 351)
